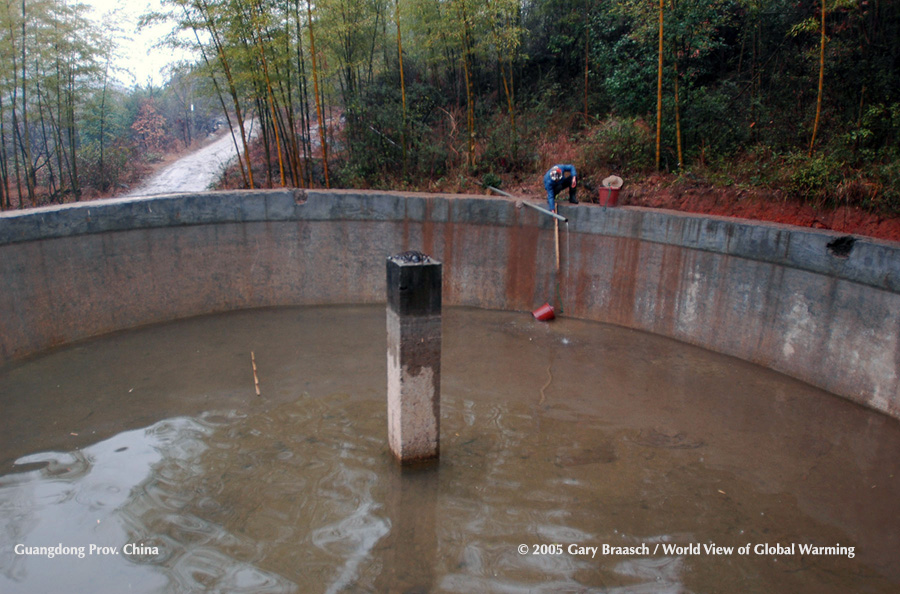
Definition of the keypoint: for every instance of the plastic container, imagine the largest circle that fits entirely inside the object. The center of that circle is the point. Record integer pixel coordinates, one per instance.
(609, 192)
(609, 196)
(544, 313)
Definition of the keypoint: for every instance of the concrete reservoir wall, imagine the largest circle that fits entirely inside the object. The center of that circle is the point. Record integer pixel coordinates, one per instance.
(813, 305)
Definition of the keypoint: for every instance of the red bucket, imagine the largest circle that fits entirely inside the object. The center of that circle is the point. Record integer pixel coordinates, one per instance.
(609, 196)
(544, 313)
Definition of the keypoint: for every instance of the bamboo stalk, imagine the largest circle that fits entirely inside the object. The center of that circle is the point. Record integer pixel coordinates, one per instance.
(587, 31)
(556, 216)
(812, 142)
(556, 241)
(255, 376)
(678, 119)
(402, 80)
(559, 304)
(322, 131)
(659, 81)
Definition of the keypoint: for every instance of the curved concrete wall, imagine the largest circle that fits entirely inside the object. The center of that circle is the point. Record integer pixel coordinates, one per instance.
(813, 305)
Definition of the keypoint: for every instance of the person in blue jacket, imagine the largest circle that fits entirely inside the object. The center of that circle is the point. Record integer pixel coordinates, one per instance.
(558, 178)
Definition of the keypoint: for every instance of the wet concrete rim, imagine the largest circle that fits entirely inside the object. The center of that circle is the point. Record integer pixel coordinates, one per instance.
(813, 304)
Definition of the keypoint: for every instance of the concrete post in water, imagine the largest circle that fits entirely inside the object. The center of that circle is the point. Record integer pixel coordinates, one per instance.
(414, 356)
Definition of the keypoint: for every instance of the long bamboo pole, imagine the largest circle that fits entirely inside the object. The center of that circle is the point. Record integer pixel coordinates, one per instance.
(232, 88)
(470, 108)
(556, 216)
(556, 241)
(270, 95)
(812, 142)
(678, 119)
(659, 79)
(587, 31)
(402, 80)
(559, 304)
(312, 51)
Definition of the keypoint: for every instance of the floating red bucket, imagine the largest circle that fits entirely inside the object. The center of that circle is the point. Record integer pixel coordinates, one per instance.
(544, 313)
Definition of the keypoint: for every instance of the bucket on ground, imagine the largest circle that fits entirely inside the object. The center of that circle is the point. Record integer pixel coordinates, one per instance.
(609, 193)
(544, 313)
(609, 196)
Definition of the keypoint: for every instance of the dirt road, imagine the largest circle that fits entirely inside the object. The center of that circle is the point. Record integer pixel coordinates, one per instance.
(194, 172)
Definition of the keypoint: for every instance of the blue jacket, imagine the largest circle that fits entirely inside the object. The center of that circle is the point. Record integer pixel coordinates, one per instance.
(555, 187)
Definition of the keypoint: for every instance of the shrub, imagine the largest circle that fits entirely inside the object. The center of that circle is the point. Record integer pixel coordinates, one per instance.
(620, 144)
(491, 179)
(814, 178)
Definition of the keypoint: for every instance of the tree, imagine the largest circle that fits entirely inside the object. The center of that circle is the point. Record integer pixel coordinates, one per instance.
(150, 128)
(50, 65)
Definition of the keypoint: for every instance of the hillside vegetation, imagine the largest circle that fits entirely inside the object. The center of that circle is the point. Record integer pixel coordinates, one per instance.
(796, 97)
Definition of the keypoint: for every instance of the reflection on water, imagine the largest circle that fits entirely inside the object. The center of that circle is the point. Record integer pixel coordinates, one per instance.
(117, 509)
(553, 434)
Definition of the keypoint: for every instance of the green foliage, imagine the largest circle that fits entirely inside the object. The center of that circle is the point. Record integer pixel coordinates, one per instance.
(504, 148)
(708, 123)
(117, 169)
(814, 178)
(746, 73)
(877, 133)
(824, 180)
(494, 89)
(50, 59)
(374, 135)
(618, 144)
(883, 193)
(491, 179)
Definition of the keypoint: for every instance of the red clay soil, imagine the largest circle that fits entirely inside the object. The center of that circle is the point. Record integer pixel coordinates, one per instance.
(762, 206)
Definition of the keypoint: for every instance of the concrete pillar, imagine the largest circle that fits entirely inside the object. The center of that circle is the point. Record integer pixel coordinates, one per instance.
(414, 356)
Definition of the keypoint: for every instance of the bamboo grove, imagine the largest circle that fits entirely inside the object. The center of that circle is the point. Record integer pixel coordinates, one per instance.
(49, 56)
(306, 76)
(444, 94)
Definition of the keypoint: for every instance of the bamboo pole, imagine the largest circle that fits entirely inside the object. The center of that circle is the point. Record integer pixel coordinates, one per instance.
(677, 103)
(812, 142)
(557, 219)
(556, 241)
(587, 31)
(559, 304)
(659, 80)
(678, 119)
(232, 87)
(255, 376)
(402, 80)
(470, 108)
(322, 138)
(556, 216)
(270, 95)
(215, 82)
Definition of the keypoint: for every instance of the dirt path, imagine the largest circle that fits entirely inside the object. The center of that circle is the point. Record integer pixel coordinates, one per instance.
(195, 172)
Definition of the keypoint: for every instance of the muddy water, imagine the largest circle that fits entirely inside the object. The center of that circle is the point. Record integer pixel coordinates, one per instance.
(147, 460)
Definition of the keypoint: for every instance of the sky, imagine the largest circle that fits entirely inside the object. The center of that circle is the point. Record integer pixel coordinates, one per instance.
(144, 62)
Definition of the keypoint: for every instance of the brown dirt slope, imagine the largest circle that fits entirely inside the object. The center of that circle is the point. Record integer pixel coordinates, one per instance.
(762, 205)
